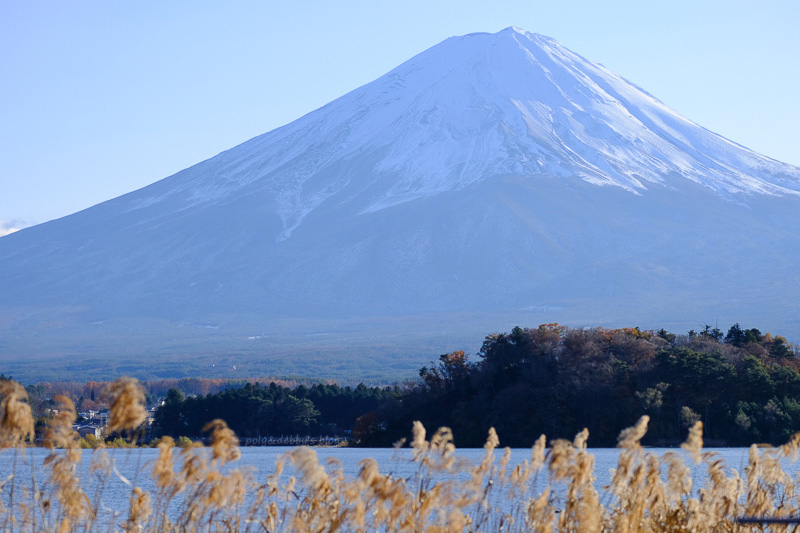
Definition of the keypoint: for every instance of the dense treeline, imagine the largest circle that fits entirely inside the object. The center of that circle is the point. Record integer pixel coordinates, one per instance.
(255, 410)
(744, 386)
(86, 395)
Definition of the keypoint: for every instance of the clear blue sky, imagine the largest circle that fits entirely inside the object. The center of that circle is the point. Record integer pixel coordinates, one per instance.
(101, 98)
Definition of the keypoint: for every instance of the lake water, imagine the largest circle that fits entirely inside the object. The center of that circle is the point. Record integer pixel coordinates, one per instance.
(133, 466)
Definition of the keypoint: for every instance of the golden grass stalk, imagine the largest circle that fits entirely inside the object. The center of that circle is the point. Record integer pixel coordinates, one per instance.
(16, 420)
(73, 507)
(127, 409)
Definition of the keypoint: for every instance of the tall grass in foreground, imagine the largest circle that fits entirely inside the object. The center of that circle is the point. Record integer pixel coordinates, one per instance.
(200, 490)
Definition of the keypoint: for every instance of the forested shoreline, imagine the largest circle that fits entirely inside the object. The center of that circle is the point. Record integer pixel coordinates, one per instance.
(742, 384)
(256, 411)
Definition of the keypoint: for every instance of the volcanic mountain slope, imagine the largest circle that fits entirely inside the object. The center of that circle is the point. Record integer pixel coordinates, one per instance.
(493, 179)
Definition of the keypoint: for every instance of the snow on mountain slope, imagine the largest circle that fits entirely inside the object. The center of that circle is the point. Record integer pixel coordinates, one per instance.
(493, 173)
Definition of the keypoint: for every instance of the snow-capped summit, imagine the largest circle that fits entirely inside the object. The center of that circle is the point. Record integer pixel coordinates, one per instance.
(468, 109)
(493, 174)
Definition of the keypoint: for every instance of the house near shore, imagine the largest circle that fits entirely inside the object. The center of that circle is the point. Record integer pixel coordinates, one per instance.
(95, 431)
(89, 414)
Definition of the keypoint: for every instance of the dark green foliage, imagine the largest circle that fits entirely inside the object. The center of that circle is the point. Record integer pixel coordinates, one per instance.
(735, 335)
(780, 349)
(256, 410)
(738, 336)
(715, 333)
(669, 337)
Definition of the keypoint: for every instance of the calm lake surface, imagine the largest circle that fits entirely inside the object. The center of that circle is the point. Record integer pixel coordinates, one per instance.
(133, 466)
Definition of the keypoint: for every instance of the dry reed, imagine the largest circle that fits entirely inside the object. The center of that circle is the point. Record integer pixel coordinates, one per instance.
(555, 490)
(127, 405)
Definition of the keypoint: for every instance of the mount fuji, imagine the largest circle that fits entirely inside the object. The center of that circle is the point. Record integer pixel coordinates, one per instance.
(492, 180)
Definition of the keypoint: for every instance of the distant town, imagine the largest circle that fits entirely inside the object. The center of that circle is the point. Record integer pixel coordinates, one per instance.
(94, 422)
